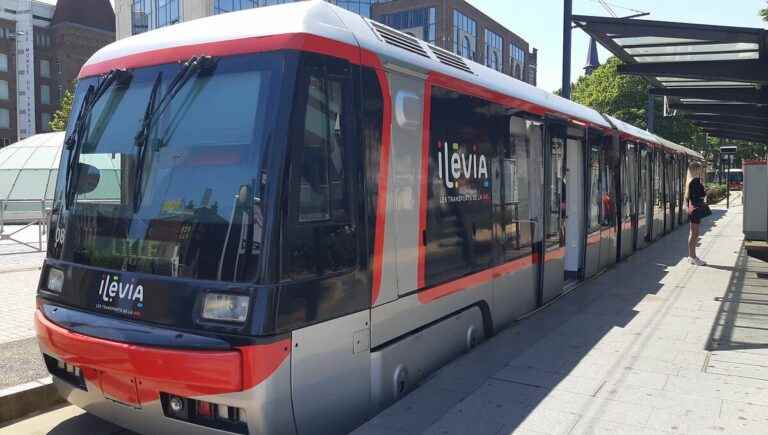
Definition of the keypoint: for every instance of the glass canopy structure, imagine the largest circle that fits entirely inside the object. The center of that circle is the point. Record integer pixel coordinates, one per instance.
(717, 76)
(28, 172)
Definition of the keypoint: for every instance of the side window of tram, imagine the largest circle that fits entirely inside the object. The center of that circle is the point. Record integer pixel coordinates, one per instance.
(608, 188)
(628, 180)
(595, 199)
(511, 194)
(658, 178)
(643, 183)
(556, 215)
(322, 238)
(465, 133)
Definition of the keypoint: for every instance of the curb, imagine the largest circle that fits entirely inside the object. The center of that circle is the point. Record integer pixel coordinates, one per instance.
(25, 399)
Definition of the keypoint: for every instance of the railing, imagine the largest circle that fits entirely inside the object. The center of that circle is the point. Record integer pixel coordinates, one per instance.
(26, 213)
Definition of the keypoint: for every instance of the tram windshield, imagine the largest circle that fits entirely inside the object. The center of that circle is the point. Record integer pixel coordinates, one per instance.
(191, 205)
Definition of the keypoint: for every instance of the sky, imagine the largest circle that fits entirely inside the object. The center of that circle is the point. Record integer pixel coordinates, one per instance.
(540, 23)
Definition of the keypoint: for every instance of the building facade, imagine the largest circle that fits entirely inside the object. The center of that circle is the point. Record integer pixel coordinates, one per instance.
(451, 24)
(458, 26)
(137, 16)
(42, 48)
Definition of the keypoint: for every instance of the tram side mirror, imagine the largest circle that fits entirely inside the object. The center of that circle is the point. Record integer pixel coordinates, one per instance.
(243, 195)
(88, 178)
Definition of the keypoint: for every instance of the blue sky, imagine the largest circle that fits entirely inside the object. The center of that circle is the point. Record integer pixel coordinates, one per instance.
(540, 23)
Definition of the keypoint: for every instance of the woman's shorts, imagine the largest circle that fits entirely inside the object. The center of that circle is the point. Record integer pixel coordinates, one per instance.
(694, 218)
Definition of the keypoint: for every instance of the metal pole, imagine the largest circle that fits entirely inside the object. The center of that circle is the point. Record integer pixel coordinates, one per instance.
(567, 14)
(650, 114)
(728, 183)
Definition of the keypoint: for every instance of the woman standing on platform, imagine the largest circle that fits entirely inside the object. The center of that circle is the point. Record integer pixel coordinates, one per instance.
(697, 209)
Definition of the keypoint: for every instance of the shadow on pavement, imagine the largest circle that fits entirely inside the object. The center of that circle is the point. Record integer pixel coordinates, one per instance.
(741, 321)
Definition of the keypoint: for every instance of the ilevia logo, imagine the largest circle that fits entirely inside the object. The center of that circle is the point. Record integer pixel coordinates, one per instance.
(455, 165)
(112, 289)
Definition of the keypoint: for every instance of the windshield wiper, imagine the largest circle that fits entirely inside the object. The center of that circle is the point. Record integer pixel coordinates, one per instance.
(142, 137)
(73, 143)
(154, 108)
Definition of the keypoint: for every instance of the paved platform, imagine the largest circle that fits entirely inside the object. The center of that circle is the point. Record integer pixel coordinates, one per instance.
(653, 346)
(20, 360)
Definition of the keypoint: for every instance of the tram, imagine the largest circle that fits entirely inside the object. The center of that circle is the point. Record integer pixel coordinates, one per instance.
(310, 212)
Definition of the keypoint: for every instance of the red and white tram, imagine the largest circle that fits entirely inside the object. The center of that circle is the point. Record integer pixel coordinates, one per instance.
(309, 212)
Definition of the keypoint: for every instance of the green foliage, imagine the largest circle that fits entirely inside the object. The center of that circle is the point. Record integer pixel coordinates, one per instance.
(608, 92)
(59, 120)
(716, 193)
(625, 97)
(764, 13)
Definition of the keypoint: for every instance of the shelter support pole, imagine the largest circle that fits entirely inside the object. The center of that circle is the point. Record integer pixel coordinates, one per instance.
(650, 114)
(567, 19)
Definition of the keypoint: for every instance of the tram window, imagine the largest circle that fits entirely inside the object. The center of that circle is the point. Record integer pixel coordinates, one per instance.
(628, 179)
(608, 183)
(658, 179)
(511, 195)
(555, 217)
(321, 154)
(322, 238)
(594, 181)
(465, 133)
(644, 185)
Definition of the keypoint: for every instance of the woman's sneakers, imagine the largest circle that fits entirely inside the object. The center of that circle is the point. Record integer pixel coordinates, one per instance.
(697, 261)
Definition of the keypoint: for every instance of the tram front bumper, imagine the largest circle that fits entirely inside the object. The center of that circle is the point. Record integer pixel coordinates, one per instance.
(124, 383)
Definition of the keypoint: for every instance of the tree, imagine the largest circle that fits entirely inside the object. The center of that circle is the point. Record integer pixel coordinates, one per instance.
(764, 13)
(625, 97)
(59, 120)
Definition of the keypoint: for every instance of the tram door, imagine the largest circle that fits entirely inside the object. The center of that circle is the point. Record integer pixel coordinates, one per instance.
(669, 195)
(657, 174)
(553, 260)
(683, 187)
(628, 213)
(594, 204)
(575, 214)
(609, 202)
(645, 207)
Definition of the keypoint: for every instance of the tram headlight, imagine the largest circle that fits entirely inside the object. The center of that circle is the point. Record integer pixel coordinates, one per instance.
(55, 280)
(225, 307)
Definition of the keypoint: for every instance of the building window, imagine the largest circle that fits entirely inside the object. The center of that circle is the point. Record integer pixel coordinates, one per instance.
(4, 95)
(45, 94)
(59, 68)
(362, 7)
(3, 62)
(140, 16)
(493, 50)
(167, 12)
(45, 120)
(5, 118)
(45, 68)
(532, 74)
(224, 6)
(61, 93)
(4, 141)
(464, 35)
(42, 40)
(421, 23)
(517, 61)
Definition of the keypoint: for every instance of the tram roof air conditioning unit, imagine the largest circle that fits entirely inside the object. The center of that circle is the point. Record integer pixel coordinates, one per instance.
(398, 39)
(447, 58)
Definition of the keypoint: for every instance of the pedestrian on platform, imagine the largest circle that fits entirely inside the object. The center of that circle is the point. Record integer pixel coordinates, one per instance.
(697, 210)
